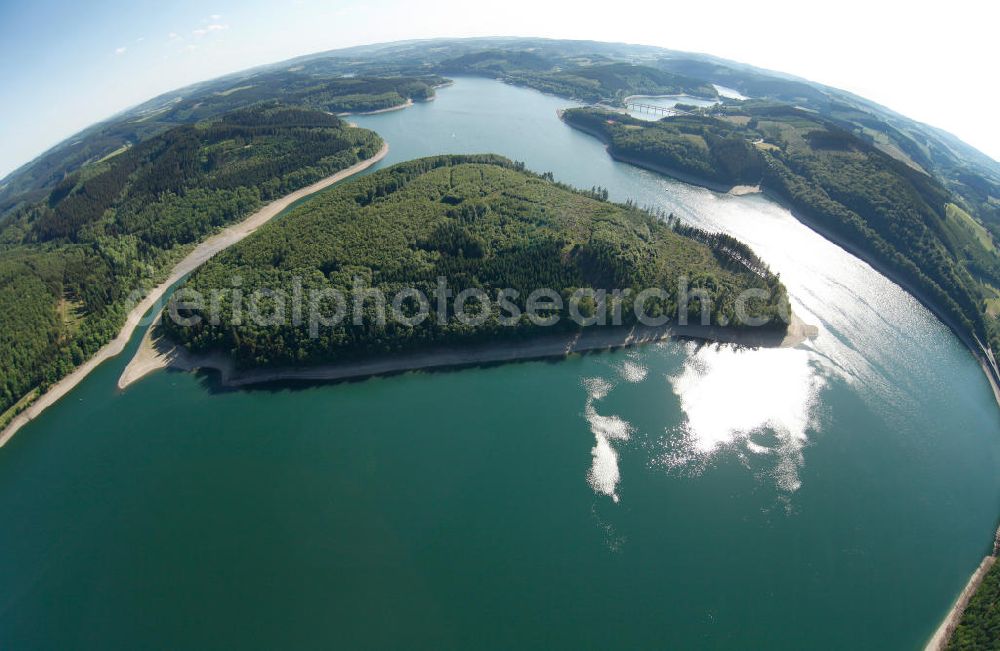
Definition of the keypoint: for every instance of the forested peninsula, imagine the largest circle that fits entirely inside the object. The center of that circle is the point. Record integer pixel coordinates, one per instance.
(482, 222)
(72, 265)
(89, 221)
(897, 217)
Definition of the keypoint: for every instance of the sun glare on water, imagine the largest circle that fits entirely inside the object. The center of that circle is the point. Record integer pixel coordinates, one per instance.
(729, 395)
(760, 403)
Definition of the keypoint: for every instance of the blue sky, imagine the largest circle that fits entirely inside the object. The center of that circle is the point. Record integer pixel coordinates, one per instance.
(67, 64)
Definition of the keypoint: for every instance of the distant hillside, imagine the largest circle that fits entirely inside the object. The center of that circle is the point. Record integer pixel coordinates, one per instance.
(590, 81)
(206, 101)
(587, 70)
(973, 176)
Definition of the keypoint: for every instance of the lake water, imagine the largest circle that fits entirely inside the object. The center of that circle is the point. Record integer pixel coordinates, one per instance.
(730, 93)
(836, 495)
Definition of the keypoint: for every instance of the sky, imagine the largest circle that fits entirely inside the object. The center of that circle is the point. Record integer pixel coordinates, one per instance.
(66, 64)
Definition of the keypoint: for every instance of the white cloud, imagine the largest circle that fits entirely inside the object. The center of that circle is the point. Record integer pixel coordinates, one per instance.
(214, 27)
(140, 39)
(173, 35)
(120, 50)
(215, 17)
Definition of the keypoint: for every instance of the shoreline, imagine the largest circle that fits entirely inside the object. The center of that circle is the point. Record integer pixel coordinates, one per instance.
(939, 641)
(157, 352)
(399, 107)
(201, 253)
(677, 175)
(973, 345)
(690, 179)
(975, 348)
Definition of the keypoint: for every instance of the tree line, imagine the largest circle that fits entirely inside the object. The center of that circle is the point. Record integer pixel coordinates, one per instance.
(69, 263)
(480, 222)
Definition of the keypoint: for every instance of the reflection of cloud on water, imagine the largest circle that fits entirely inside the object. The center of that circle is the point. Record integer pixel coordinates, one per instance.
(604, 475)
(763, 401)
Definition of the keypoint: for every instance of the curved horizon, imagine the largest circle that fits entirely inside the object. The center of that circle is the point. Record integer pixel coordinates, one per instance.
(321, 53)
(121, 59)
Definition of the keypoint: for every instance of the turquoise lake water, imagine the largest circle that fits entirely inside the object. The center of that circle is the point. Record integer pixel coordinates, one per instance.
(836, 495)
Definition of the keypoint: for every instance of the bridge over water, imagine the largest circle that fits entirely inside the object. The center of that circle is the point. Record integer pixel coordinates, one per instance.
(665, 111)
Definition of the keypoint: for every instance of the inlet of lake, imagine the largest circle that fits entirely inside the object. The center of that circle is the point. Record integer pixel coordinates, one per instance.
(835, 495)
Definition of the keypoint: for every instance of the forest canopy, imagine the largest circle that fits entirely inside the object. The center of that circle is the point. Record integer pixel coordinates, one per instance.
(336, 94)
(69, 263)
(979, 628)
(603, 82)
(480, 222)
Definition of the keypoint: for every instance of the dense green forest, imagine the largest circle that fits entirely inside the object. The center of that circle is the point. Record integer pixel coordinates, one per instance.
(69, 262)
(480, 222)
(967, 173)
(979, 628)
(292, 87)
(589, 70)
(701, 146)
(901, 217)
(102, 213)
(603, 82)
(956, 259)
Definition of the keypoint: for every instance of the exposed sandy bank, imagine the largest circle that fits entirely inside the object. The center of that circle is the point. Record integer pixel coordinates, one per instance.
(943, 634)
(407, 104)
(195, 259)
(156, 352)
